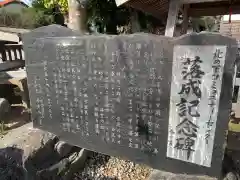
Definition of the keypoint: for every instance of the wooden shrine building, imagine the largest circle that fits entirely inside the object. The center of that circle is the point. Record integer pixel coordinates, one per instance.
(189, 8)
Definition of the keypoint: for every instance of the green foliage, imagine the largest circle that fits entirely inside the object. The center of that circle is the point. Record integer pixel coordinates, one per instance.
(40, 14)
(29, 18)
(51, 9)
(47, 5)
(100, 10)
(38, 4)
(102, 15)
(105, 16)
(51, 3)
(33, 18)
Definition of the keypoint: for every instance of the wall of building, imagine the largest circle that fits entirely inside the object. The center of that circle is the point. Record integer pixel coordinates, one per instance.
(13, 7)
(232, 28)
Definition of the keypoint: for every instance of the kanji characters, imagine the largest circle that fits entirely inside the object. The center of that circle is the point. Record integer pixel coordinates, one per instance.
(190, 95)
(194, 71)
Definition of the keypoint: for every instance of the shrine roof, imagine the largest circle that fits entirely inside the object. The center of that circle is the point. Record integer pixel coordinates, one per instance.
(159, 8)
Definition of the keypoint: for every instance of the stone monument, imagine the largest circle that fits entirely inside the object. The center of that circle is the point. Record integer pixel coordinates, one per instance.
(148, 98)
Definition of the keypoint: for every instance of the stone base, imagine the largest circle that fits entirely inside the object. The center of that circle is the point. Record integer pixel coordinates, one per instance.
(55, 160)
(38, 155)
(161, 175)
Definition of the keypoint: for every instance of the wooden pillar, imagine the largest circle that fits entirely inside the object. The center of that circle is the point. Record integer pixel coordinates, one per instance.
(172, 17)
(185, 19)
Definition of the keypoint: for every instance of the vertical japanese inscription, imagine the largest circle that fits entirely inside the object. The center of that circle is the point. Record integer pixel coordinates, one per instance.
(195, 92)
(214, 89)
(142, 96)
(188, 107)
(72, 102)
(107, 93)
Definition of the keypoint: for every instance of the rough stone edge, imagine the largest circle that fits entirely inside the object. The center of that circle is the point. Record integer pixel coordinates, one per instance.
(162, 175)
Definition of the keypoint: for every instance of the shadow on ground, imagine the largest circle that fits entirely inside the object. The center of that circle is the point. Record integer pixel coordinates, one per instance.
(11, 164)
(17, 117)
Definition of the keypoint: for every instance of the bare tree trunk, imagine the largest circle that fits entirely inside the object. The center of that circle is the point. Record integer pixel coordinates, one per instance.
(77, 15)
(135, 26)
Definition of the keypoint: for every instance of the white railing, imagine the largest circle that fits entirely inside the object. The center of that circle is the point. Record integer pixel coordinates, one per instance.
(11, 52)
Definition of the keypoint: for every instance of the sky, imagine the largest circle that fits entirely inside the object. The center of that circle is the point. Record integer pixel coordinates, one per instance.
(27, 1)
(233, 17)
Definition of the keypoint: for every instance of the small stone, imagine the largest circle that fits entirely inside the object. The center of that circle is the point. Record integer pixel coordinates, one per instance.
(63, 148)
(115, 171)
(77, 162)
(105, 167)
(46, 137)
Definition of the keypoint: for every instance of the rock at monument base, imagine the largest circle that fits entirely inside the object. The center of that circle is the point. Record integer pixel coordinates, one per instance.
(53, 172)
(42, 156)
(39, 156)
(66, 168)
(47, 137)
(63, 148)
(55, 159)
(161, 175)
(77, 160)
(34, 153)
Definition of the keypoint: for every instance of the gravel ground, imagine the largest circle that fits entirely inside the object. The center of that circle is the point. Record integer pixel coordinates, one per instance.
(102, 167)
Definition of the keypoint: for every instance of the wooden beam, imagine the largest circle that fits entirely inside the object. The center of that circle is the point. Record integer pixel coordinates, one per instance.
(172, 17)
(213, 11)
(200, 1)
(185, 19)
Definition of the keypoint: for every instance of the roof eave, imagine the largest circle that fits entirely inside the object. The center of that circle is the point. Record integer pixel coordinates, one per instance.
(121, 2)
